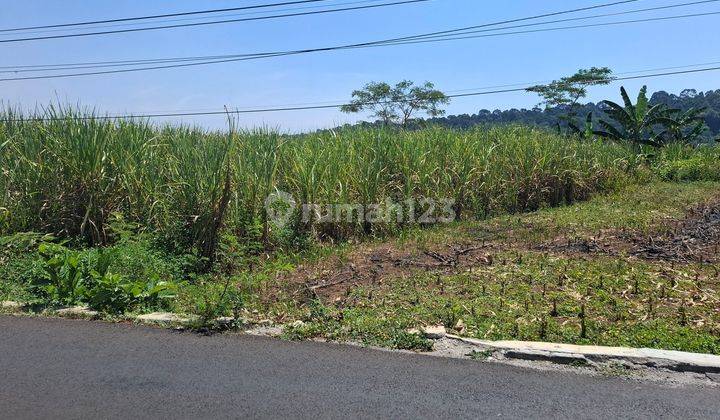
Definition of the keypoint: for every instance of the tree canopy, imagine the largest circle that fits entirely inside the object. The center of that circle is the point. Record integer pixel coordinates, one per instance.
(567, 91)
(397, 104)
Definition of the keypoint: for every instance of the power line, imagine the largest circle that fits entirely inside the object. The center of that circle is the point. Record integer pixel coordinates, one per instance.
(255, 56)
(185, 25)
(199, 18)
(496, 23)
(315, 107)
(483, 88)
(561, 28)
(563, 12)
(635, 72)
(604, 5)
(626, 12)
(197, 12)
(125, 63)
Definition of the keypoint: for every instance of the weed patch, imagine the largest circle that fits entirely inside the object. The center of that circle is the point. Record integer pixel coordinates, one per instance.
(498, 288)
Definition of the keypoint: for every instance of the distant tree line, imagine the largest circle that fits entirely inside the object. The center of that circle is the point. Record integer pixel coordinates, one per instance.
(552, 116)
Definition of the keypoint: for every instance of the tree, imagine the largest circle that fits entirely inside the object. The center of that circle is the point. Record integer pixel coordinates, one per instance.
(399, 103)
(567, 92)
(634, 123)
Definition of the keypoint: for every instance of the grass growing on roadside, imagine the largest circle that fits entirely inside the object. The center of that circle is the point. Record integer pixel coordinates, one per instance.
(199, 196)
(541, 296)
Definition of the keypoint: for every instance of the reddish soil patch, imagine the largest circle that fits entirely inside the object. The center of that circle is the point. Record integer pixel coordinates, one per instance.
(373, 265)
(694, 238)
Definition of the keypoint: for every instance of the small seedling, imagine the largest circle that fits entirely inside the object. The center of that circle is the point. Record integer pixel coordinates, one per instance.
(683, 314)
(579, 363)
(636, 285)
(543, 328)
(481, 354)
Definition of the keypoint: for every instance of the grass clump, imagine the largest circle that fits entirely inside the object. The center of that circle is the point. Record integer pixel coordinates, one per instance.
(571, 300)
(356, 325)
(680, 163)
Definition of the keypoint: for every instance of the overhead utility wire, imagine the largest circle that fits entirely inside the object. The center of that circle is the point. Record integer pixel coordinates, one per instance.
(626, 12)
(302, 108)
(482, 88)
(351, 46)
(185, 25)
(540, 82)
(561, 28)
(196, 18)
(196, 12)
(125, 63)
(100, 64)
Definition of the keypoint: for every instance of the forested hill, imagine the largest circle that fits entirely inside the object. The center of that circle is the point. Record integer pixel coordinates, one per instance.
(537, 116)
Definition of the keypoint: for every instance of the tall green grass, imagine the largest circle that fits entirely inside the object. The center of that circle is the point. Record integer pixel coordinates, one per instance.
(677, 162)
(70, 176)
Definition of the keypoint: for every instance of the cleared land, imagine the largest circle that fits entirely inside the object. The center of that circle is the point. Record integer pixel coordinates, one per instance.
(635, 268)
(557, 238)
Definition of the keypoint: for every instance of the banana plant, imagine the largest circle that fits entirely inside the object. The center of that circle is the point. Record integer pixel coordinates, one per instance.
(633, 123)
(683, 127)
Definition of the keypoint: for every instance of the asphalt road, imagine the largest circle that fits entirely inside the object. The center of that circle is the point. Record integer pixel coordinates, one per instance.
(52, 368)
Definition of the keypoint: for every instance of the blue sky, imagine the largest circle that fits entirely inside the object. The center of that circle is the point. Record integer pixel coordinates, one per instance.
(320, 77)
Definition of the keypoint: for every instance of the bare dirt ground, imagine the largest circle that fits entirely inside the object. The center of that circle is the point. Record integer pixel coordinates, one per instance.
(692, 238)
(374, 265)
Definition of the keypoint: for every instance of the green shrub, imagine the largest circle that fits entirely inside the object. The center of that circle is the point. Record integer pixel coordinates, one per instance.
(697, 168)
(19, 264)
(686, 163)
(127, 276)
(114, 293)
(66, 280)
